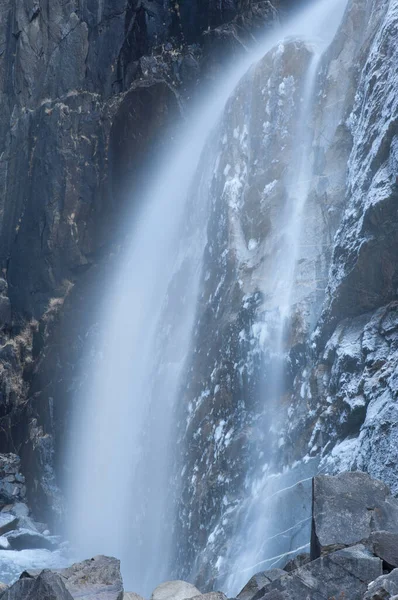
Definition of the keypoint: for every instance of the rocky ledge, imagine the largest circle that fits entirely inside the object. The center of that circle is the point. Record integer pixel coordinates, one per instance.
(18, 530)
(353, 555)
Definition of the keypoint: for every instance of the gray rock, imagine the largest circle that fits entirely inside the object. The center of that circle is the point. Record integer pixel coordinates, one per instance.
(49, 586)
(25, 539)
(19, 591)
(342, 574)
(175, 590)
(132, 596)
(347, 508)
(383, 587)
(98, 577)
(258, 581)
(7, 523)
(297, 562)
(210, 596)
(385, 545)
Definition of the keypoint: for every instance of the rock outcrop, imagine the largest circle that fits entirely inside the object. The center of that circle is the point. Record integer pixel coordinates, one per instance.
(346, 550)
(347, 560)
(86, 94)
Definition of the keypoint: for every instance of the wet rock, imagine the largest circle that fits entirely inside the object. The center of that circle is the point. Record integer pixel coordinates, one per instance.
(347, 508)
(175, 590)
(383, 587)
(24, 539)
(47, 586)
(97, 577)
(385, 545)
(297, 562)
(258, 581)
(342, 574)
(7, 523)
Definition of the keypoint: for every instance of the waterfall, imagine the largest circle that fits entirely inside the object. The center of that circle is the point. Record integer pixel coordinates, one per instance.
(120, 459)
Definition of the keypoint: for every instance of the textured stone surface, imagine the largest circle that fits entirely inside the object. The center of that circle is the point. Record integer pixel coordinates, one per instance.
(343, 574)
(258, 581)
(383, 588)
(385, 545)
(347, 508)
(175, 590)
(97, 577)
(21, 590)
(86, 92)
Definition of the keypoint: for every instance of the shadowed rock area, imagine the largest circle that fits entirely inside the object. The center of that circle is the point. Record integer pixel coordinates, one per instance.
(347, 551)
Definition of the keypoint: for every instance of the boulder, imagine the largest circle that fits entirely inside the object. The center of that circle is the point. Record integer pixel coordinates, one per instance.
(132, 596)
(257, 582)
(49, 586)
(175, 590)
(383, 587)
(343, 574)
(98, 577)
(210, 596)
(19, 591)
(7, 523)
(25, 539)
(347, 508)
(385, 545)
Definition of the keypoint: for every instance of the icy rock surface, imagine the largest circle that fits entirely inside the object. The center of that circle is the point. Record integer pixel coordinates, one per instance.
(339, 400)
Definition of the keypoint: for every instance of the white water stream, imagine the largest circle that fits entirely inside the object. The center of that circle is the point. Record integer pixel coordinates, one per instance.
(121, 450)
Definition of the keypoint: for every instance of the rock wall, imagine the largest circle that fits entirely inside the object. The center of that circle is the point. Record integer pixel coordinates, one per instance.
(87, 90)
(338, 403)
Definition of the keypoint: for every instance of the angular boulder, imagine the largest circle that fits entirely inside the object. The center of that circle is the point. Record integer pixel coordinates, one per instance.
(26, 539)
(19, 591)
(175, 590)
(342, 574)
(210, 596)
(132, 596)
(259, 581)
(47, 586)
(98, 577)
(383, 587)
(385, 545)
(8, 522)
(347, 508)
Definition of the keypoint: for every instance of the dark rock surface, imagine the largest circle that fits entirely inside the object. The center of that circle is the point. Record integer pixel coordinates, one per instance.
(385, 545)
(259, 581)
(25, 539)
(345, 573)
(86, 93)
(299, 561)
(47, 586)
(348, 509)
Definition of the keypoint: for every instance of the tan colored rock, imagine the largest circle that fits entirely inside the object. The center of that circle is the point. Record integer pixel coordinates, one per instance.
(175, 590)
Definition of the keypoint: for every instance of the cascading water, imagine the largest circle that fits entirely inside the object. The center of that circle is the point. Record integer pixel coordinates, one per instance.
(122, 449)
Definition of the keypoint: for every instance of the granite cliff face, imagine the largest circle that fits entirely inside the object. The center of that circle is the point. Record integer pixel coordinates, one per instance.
(337, 408)
(87, 90)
